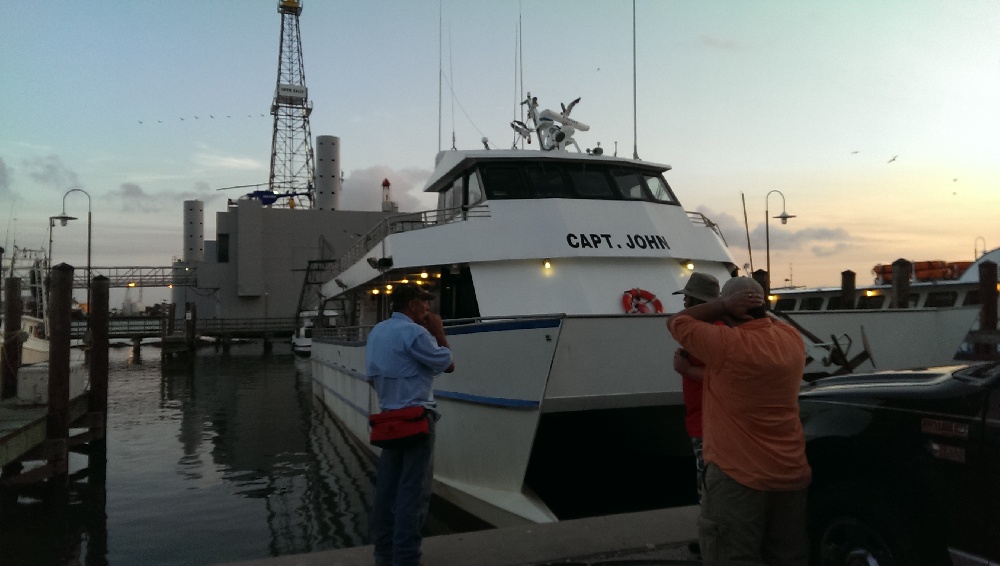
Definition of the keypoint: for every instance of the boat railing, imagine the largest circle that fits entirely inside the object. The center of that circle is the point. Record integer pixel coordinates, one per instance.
(407, 222)
(699, 218)
(360, 333)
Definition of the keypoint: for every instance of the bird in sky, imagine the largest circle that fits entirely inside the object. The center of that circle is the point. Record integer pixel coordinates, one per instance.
(853, 152)
(893, 159)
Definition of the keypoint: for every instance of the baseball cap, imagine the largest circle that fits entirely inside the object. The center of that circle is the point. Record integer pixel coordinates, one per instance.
(741, 285)
(701, 286)
(403, 293)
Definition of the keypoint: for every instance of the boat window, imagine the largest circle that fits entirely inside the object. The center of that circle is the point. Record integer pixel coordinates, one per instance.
(873, 302)
(941, 299)
(786, 304)
(546, 180)
(629, 183)
(660, 189)
(503, 181)
(590, 182)
(972, 297)
(834, 303)
(812, 303)
(475, 190)
(913, 300)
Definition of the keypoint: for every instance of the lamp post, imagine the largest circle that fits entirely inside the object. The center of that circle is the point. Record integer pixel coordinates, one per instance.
(784, 216)
(63, 218)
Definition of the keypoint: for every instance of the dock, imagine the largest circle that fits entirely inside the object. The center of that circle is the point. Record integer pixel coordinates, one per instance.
(648, 537)
(35, 428)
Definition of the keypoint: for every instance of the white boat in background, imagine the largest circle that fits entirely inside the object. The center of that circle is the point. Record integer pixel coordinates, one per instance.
(944, 296)
(29, 265)
(554, 272)
(302, 339)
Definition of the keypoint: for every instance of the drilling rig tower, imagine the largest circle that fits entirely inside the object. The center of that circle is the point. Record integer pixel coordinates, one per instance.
(292, 167)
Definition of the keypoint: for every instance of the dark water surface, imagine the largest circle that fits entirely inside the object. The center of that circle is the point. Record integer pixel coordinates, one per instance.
(226, 458)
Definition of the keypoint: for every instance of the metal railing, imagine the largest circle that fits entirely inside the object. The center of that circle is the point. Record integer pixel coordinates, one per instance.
(405, 223)
(150, 326)
(138, 276)
(699, 218)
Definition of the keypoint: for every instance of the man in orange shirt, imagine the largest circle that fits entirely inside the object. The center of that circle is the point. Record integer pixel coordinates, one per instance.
(756, 473)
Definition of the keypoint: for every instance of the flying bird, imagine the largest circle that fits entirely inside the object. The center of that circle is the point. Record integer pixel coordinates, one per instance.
(853, 152)
(140, 121)
(893, 159)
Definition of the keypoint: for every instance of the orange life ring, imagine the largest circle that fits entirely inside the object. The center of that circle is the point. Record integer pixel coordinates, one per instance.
(640, 301)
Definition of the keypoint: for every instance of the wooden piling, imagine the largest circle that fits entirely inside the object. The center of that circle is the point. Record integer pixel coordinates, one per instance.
(988, 314)
(98, 398)
(191, 326)
(11, 345)
(848, 289)
(760, 276)
(57, 435)
(901, 270)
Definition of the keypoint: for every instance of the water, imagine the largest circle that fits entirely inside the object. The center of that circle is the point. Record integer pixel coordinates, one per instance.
(226, 458)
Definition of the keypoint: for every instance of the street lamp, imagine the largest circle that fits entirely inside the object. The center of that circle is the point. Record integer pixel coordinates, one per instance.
(784, 216)
(63, 218)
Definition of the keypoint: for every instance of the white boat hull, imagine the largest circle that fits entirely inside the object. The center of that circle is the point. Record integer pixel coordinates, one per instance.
(510, 375)
(893, 339)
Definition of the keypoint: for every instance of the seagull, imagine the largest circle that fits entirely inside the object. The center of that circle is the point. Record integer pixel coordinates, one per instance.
(140, 121)
(182, 119)
(853, 152)
(893, 159)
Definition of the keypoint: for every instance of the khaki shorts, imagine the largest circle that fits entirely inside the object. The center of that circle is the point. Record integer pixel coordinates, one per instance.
(738, 523)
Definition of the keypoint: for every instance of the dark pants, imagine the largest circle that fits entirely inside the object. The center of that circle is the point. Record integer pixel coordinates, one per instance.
(739, 523)
(402, 498)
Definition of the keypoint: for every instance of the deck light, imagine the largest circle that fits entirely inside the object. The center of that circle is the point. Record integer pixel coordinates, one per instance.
(423, 275)
(374, 291)
(388, 287)
(871, 293)
(405, 281)
(547, 264)
(689, 265)
(131, 283)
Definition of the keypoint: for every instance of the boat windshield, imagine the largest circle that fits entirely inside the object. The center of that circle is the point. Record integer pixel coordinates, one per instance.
(541, 179)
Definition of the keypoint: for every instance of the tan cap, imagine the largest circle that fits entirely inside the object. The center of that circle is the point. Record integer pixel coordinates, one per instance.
(701, 286)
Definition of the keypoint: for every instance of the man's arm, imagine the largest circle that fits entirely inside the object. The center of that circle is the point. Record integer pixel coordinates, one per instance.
(435, 326)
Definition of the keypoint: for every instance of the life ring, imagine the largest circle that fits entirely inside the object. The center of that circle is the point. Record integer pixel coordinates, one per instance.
(640, 301)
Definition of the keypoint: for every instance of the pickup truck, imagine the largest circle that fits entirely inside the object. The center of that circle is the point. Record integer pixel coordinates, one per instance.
(906, 466)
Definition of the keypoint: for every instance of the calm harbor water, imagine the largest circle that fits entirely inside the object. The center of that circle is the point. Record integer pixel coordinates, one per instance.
(227, 458)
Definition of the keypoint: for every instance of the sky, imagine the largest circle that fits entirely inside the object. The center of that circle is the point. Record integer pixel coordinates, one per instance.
(876, 124)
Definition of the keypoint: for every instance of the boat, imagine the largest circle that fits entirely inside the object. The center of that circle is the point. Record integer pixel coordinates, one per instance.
(554, 272)
(302, 339)
(947, 292)
(30, 265)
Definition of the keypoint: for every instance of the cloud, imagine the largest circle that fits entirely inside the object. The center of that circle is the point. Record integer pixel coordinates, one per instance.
(821, 242)
(5, 180)
(228, 162)
(362, 190)
(133, 198)
(825, 251)
(51, 172)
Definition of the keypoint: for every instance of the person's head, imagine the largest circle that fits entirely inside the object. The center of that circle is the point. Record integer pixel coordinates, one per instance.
(412, 300)
(700, 288)
(738, 285)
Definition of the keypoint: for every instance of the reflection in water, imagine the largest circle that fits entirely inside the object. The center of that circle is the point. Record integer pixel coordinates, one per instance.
(223, 458)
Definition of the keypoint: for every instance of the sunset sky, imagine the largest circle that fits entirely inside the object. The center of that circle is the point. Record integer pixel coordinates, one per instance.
(146, 104)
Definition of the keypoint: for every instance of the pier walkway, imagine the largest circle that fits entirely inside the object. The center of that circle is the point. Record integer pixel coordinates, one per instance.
(649, 537)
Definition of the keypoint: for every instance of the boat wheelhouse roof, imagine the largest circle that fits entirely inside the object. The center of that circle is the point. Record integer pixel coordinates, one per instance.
(452, 162)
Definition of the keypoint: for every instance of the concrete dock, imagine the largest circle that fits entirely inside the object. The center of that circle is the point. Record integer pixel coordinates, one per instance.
(654, 537)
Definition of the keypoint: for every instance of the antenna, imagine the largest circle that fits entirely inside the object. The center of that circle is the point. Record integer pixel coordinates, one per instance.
(440, 69)
(635, 131)
(746, 224)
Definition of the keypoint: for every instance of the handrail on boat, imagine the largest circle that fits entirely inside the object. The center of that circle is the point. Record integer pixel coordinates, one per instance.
(699, 218)
(406, 222)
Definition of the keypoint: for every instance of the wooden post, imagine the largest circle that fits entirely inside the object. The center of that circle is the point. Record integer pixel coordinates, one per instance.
(848, 290)
(760, 276)
(60, 306)
(988, 313)
(191, 325)
(901, 270)
(98, 398)
(97, 405)
(11, 345)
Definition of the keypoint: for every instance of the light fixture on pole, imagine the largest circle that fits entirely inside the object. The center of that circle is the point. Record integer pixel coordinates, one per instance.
(784, 216)
(63, 218)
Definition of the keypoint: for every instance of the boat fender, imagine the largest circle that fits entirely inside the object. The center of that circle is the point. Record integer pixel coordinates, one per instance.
(640, 301)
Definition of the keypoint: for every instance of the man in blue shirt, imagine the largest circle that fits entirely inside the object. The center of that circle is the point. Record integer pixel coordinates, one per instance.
(403, 354)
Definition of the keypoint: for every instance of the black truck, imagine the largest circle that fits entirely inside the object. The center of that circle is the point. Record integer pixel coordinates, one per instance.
(906, 466)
